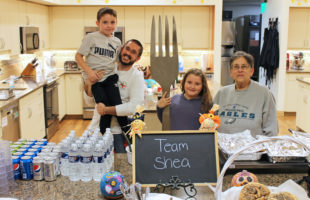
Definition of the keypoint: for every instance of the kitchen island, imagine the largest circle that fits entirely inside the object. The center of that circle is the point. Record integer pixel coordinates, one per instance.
(63, 188)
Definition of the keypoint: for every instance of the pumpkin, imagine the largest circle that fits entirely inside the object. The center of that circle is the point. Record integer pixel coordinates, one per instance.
(243, 178)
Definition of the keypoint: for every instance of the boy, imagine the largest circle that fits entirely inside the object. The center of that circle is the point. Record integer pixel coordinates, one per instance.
(101, 50)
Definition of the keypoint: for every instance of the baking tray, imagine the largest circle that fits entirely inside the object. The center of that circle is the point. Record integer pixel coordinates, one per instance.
(282, 159)
(244, 156)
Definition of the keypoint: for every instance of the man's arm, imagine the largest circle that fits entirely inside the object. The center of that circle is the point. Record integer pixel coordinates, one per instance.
(106, 110)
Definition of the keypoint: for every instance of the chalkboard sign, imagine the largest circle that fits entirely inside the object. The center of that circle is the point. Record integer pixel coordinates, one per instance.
(189, 155)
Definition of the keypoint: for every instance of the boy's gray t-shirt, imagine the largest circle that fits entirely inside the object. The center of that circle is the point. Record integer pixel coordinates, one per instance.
(101, 53)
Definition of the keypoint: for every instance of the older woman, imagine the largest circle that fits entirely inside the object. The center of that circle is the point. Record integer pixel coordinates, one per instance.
(246, 104)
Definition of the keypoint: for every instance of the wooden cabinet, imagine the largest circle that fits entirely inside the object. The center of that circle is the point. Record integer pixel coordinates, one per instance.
(303, 107)
(74, 94)
(13, 14)
(61, 97)
(9, 32)
(163, 12)
(194, 24)
(134, 23)
(197, 27)
(291, 90)
(32, 119)
(299, 28)
(67, 27)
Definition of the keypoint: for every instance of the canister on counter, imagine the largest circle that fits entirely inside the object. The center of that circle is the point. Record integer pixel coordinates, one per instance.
(19, 143)
(22, 150)
(56, 155)
(16, 164)
(38, 168)
(37, 147)
(50, 169)
(40, 143)
(19, 154)
(31, 154)
(30, 143)
(25, 146)
(35, 151)
(26, 168)
(43, 140)
(15, 147)
(22, 140)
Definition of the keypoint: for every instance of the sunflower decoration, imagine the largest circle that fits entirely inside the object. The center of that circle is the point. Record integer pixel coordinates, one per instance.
(137, 122)
(209, 121)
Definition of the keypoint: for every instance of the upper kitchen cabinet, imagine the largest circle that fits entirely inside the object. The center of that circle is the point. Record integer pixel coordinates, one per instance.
(9, 32)
(163, 12)
(134, 23)
(149, 12)
(197, 27)
(13, 14)
(66, 27)
(299, 28)
(90, 15)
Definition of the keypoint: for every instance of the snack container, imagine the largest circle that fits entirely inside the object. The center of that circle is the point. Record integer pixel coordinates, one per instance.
(279, 159)
(231, 143)
(218, 189)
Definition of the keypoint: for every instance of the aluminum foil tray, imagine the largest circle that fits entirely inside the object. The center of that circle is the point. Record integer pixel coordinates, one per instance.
(283, 159)
(285, 151)
(231, 143)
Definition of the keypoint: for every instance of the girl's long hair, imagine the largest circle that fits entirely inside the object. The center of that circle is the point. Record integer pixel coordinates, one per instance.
(206, 98)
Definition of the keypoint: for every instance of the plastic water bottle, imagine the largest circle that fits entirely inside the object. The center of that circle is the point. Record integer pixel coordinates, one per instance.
(98, 156)
(112, 151)
(64, 158)
(74, 164)
(105, 163)
(86, 165)
(72, 133)
(107, 148)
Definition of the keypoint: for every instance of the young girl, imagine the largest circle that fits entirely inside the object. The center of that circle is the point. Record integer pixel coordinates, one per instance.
(185, 107)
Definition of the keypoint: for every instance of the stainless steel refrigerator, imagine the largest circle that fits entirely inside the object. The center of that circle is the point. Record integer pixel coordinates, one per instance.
(228, 44)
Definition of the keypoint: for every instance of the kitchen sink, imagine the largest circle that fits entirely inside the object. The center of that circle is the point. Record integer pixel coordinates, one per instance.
(6, 94)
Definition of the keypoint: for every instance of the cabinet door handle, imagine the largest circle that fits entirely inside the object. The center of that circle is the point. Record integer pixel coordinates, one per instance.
(306, 43)
(305, 99)
(29, 113)
(2, 43)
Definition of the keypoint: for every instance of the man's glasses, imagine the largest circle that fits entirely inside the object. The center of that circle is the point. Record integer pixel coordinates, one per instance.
(237, 67)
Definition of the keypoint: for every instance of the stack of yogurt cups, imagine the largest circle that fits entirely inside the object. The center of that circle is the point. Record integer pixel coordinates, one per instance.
(6, 168)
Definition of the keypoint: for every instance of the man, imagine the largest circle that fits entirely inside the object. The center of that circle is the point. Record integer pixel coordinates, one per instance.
(131, 87)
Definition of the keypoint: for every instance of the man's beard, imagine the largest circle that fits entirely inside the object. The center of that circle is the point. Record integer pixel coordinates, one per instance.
(124, 63)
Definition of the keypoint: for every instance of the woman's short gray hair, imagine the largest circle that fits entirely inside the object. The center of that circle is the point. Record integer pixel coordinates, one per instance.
(248, 57)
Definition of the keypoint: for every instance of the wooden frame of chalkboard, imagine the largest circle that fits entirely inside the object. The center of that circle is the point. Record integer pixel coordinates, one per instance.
(190, 155)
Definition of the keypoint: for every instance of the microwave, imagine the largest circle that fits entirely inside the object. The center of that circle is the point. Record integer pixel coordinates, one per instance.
(29, 39)
(119, 32)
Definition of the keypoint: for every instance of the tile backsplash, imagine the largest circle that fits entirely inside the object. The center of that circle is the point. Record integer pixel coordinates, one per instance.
(202, 59)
